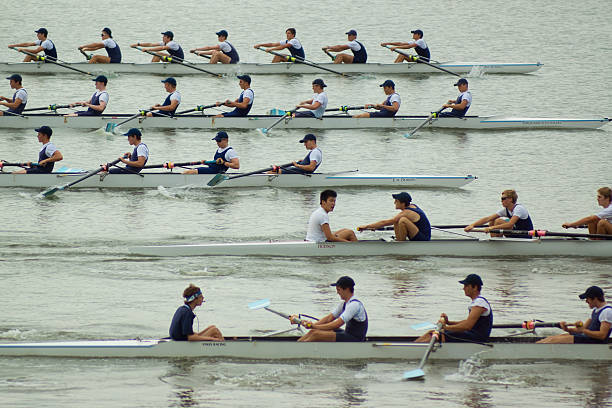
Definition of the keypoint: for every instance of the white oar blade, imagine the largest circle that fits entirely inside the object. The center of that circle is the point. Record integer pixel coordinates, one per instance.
(259, 304)
(416, 374)
(423, 326)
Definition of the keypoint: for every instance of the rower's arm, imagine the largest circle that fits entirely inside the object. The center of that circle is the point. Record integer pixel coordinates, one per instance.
(92, 46)
(275, 44)
(144, 44)
(333, 325)
(233, 164)
(55, 157)
(279, 47)
(376, 225)
(35, 50)
(198, 337)
(468, 323)
(310, 105)
(12, 105)
(337, 48)
(310, 167)
(395, 43)
(393, 108)
(586, 220)
(172, 107)
(330, 236)
(25, 44)
(138, 163)
(242, 105)
(505, 225)
(99, 108)
(158, 48)
(405, 46)
(481, 221)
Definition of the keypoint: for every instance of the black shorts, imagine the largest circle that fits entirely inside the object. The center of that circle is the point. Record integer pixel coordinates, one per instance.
(464, 336)
(305, 114)
(342, 336)
(383, 113)
(582, 338)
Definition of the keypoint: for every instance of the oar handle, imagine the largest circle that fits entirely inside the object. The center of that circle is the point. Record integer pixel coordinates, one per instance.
(199, 108)
(259, 171)
(52, 107)
(446, 226)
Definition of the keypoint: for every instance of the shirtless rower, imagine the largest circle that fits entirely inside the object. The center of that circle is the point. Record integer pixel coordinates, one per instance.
(225, 157)
(291, 43)
(389, 107)
(600, 223)
(181, 328)
(172, 101)
(411, 222)
(318, 224)
(109, 44)
(419, 45)
(42, 44)
(242, 106)
(360, 56)
(98, 101)
(18, 102)
(224, 52)
(167, 44)
(512, 216)
(47, 156)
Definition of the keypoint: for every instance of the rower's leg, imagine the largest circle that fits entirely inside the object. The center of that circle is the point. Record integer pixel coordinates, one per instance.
(343, 59)
(400, 58)
(592, 226)
(604, 227)
(362, 115)
(99, 59)
(347, 234)
(404, 228)
(319, 335)
(155, 59)
(278, 59)
(494, 223)
(565, 338)
(29, 58)
(212, 331)
(424, 338)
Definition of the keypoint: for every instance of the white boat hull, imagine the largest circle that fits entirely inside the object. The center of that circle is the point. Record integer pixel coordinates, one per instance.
(493, 247)
(269, 68)
(154, 180)
(396, 348)
(195, 121)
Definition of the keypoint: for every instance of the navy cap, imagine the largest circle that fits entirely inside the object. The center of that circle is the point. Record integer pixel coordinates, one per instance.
(15, 77)
(42, 30)
(220, 136)
(45, 130)
(108, 31)
(170, 80)
(133, 132)
(344, 282)
(245, 78)
(351, 32)
(309, 136)
(168, 34)
(419, 32)
(592, 293)
(471, 279)
(403, 197)
(101, 78)
(462, 81)
(388, 82)
(223, 33)
(319, 82)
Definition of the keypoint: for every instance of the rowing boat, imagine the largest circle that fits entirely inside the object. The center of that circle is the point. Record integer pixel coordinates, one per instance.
(279, 348)
(488, 247)
(340, 121)
(269, 68)
(315, 180)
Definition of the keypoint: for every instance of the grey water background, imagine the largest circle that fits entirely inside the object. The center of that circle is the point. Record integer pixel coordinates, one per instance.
(66, 274)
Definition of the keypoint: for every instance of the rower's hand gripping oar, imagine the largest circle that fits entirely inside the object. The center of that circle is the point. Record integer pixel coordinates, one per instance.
(329, 54)
(265, 304)
(416, 58)
(86, 55)
(290, 58)
(105, 167)
(175, 60)
(288, 115)
(418, 372)
(170, 165)
(51, 60)
(222, 177)
(433, 116)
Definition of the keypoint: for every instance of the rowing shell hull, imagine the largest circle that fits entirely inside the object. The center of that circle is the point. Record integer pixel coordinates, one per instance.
(154, 180)
(382, 348)
(272, 69)
(493, 247)
(328, 122)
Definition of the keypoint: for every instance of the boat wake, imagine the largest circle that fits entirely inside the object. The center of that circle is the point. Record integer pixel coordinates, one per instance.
(476, 72)
(475, 370)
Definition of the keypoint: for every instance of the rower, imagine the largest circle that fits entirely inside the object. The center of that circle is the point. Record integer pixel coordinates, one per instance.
(291, 43)
(18, 102)
(98, 101)
(411, 222)
(47, 156)
(600, 223)
(137, 159)
(181, 328)
(596, 329)
(111, 46)
(419, 45)
(317, 104)
(460, 105)
(360, 56)
(242, 106)
(512, 216)
(318, 224)
(42, 44)
(168, 44)
(225, 157)
(389, 107)
(310, 163)
(350, 312)
(477, 327)
(224, 52)
(172, 101)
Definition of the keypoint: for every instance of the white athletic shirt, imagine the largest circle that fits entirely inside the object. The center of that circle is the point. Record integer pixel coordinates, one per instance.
(466, 96)
(295, 43)
(103, 96)
(142, 150)
(354, 45)
(518, 210)
(110, 43)
(316, 154)
(420, 43)
(230, 154)
(50, 149)
(47, 45)
(480, 302)
(248, 93)
(175, 96)
(317, 219)
(606, 315)
(396, 98)
(173, 45)
(21, 94)
(351, 310)
(606, 213)
(225, 47)
(322, 99)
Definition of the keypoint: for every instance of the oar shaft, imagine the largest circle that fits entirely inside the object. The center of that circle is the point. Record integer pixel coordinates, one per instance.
(92, 173)
(177, 60)
(545, 233)
(48, 107)
(290, 58)
(51, 60)
(171, 165)
(141, 113)
(447, 226)
(422, 61)
(198, 108)
(344, 108)
(258, 171)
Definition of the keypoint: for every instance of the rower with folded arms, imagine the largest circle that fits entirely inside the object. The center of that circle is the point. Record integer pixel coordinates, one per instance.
(110, 45)
(41, 44)
(242, 106)
(596, 329)
(511, 216)
(419, 45)
(181, 328)
(18, 102)
(350, 312)
(310, 163)
(224, 52)
(600, 223)
(318, 223)
(167, 44)
(291, 43)
(225, 157)
(477, 327)
(98, 101)
(389, 107)
(47, 156)
(411, 222)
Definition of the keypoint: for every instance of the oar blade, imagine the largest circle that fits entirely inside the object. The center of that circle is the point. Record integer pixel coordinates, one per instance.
(416, 374)
(263, 131)
(50, 191)
(110, 127)
(217, 179)
(259, 304)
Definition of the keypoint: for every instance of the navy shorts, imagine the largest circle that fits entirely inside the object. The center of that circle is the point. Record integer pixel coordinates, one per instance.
(582, 338)
(88, 113)
(382, 114)
(306, 114)
(449, 115)
(233, 113)
(419, 237)
(162, 113)
(342, 336)
(119, 170)
(208, 170)
(455, 337)
(37, 170)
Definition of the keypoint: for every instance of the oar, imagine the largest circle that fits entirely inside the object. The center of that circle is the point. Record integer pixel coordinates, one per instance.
(545, 233)
(50, 191)
(171, 165)
(433, 116)
(86, 55)
(166, 58)
(110, 126)
(199, 108)
(53, 107)
(418, 372)
(344, 108)
(222, 177)
(329, 54)
(287, 114)
(265, 304)
(14, 114)
(7, 164)
(290, 58)
(201, 55)
(449, 226)
(416, 58)
(528, 324)
(51, 60)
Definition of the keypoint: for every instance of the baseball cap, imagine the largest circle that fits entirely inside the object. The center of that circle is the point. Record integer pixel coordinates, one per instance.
(222, 32)
(309, 136)
(168, 34)
(15, 77)
(351, 32)
(462, 81)
(42, 30)
(472, 279)
(245, 78)
(592, 292)
(319, 82)
(101, 78)
(133, 132)
(170, 80)
(108, 31)
(388, 82)
(419, 32)
(344, 282)
(403, 197)
(45, 130)
(220, 136)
